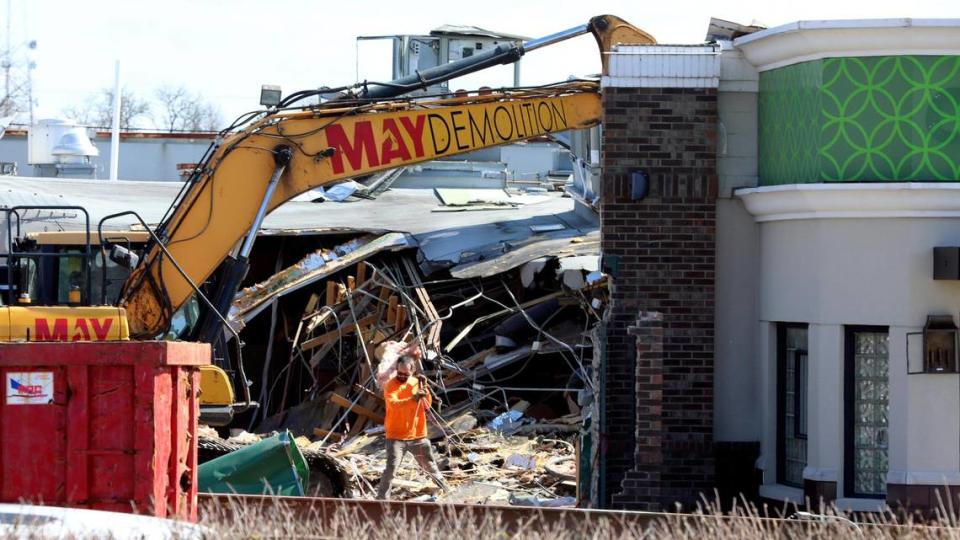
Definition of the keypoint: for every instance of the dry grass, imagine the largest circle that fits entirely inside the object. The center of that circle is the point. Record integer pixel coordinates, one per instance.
(235, 520)
(743, 522)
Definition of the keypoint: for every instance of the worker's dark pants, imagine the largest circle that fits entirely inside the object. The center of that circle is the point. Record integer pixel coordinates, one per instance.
(422, 452)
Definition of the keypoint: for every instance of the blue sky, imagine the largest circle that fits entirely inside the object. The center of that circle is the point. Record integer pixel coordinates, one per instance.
(226, 49)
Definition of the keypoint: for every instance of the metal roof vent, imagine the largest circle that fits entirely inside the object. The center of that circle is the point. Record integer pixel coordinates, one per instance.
(60, 148)
(75, 144)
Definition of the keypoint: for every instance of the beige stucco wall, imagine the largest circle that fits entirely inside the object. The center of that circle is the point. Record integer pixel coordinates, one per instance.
(836, 272)
(855, 271)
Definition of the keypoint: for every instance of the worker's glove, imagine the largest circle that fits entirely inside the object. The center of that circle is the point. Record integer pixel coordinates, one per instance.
(423, 388)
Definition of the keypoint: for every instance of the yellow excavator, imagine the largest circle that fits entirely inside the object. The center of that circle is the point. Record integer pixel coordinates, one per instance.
(263, 160)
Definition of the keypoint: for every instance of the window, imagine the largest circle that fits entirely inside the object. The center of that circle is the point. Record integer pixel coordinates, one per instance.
(866, 411)
(792, 377)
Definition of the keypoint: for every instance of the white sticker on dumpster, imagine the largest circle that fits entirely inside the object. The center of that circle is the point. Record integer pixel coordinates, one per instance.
(29, 388)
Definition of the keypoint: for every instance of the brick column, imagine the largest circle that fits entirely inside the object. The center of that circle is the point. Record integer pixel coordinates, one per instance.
(661, 249)
(641, 485)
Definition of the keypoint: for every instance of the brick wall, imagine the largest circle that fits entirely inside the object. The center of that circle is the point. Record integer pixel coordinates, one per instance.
(663, 248)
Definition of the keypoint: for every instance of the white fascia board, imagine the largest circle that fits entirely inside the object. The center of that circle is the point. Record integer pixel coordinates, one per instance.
(852, 201)
(812, 40)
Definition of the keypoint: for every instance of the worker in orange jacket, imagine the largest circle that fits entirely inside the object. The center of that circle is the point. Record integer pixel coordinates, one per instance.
(407, 399)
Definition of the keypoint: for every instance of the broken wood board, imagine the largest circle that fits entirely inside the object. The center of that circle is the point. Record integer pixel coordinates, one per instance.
(433, 334)
(329, 435)
(363, 411)
(367, 391)
(355, 444)
(333, 335)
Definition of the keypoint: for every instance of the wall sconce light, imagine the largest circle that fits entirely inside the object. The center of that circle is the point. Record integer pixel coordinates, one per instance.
(940, 344)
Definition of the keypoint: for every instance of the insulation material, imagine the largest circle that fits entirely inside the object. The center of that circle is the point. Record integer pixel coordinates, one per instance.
(388, 353)
(455, 200)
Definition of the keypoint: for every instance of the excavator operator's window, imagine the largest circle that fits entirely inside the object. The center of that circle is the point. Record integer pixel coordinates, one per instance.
(183, 320)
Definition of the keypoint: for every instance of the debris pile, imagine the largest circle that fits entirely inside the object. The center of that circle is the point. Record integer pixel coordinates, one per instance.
(506, 349)
(480, 465)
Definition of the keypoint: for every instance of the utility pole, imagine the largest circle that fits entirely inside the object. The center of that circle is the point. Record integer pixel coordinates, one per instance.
(6, 54)
(115, 129)
(31, 65)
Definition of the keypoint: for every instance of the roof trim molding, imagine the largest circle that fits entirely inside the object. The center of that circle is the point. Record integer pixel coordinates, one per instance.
(852, 201)
(663, 66)
(803, 41)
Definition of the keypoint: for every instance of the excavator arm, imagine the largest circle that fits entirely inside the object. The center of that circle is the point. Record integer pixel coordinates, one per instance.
(286, 153)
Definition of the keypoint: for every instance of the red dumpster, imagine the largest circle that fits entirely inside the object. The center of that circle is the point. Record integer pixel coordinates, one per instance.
(108, 425)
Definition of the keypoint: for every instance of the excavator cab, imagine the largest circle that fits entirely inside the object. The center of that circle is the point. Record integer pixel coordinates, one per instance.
(36, 274)
(74, 273)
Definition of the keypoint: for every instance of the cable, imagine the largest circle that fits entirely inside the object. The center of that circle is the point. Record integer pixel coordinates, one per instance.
(304, 94)
(525, 389)
(532, 323)
(186, 277)
(297, 353)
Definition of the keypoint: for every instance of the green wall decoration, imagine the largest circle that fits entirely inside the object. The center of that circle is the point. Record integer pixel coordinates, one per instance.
(870, 119)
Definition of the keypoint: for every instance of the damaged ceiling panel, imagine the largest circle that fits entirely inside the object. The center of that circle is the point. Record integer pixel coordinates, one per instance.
(564, 246)
(315, 266)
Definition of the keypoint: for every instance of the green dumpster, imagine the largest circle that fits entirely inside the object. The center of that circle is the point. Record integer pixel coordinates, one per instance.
(272, 466)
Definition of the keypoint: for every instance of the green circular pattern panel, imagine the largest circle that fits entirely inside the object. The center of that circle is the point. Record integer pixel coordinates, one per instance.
(871, 119)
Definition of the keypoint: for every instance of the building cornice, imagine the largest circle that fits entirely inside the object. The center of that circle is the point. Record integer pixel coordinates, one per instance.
(852, 201)
(812, 40)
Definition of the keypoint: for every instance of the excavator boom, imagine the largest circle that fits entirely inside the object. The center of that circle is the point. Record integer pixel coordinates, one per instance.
(323, 146)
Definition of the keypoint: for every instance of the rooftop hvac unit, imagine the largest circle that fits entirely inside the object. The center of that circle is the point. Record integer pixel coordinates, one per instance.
(61, 148)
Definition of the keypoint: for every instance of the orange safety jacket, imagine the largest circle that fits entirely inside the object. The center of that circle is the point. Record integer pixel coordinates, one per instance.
(406, 417)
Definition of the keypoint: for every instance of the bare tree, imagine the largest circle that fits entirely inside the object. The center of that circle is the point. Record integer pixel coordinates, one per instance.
(97, 110)
(15, 91)
(14, 97)
(182, 110)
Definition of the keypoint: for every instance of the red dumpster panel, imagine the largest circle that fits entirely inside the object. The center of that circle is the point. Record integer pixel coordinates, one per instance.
(107, 425)
(24, 437)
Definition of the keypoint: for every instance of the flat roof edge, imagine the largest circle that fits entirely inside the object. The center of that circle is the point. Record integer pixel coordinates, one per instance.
(844, 24)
